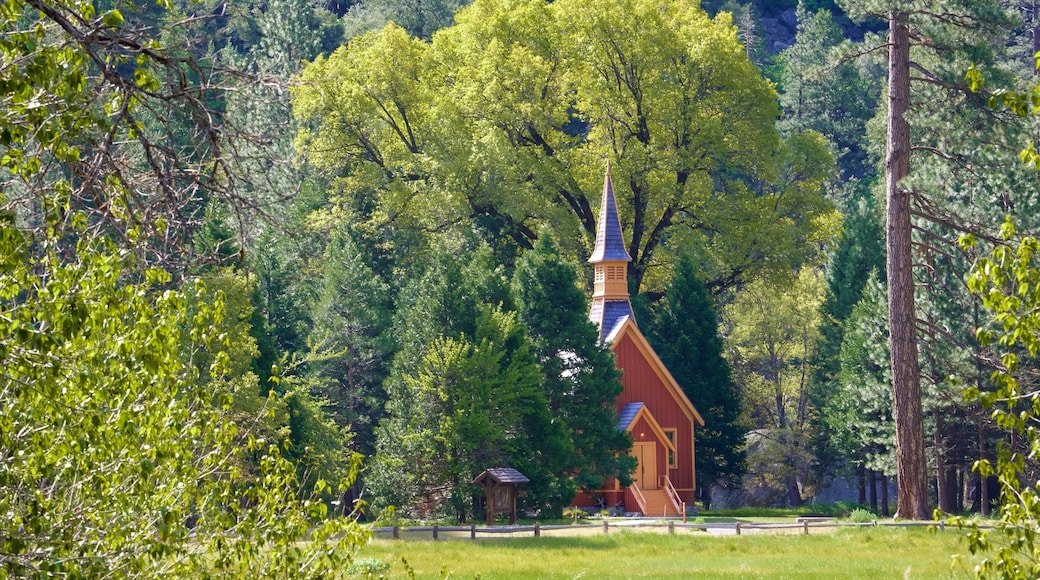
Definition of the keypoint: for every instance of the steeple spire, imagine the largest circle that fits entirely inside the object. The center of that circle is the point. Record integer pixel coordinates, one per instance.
(610, 301)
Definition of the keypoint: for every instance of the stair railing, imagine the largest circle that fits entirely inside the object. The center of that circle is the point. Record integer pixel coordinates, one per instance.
(640, 498)
(673, 495)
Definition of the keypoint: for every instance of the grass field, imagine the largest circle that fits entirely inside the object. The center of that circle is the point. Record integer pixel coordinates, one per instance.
(843, 553)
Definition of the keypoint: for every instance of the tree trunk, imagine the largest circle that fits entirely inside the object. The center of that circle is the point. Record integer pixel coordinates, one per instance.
(872, 479)
(884, 495)
(906, 381)
(942, 479)
(983, 489)
(861, 484)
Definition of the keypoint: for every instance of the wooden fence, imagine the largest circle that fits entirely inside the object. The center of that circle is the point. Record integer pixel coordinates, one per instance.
(474, 532)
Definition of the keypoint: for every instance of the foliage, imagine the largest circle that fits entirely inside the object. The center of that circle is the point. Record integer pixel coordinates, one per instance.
(859, 252)
(473, 403)
(1007, 283)
(684, 332)
(136, 440)
(835, 100)
(859, 411)
(350, 341)
(464, 393)
(107, 111)
(773, 336)
(579, 376)
(367, 566)
(117, 459)
(862, 516)
(503, 122)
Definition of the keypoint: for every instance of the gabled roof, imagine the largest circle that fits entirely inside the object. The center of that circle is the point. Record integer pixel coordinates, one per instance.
(610, 243)
(631, 414)
(608, 314)
(502, 475)
(627, 326)
(627, 416)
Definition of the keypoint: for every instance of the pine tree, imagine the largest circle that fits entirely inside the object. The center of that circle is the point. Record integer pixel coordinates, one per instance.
(580, 377)
(684, 331)
(464, 393)
(860, 251)
(350, 340)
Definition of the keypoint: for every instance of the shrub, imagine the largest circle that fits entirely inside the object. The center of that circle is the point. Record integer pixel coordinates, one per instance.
(367, 566)
(862, 516)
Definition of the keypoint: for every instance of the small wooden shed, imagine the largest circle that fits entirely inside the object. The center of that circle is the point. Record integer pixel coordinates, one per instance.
(500, 486)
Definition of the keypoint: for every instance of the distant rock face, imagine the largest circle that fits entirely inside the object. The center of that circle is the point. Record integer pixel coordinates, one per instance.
(779, 30)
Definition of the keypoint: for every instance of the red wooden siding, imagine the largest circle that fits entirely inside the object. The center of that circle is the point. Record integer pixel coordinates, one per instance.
(642, 384)
(642, 432)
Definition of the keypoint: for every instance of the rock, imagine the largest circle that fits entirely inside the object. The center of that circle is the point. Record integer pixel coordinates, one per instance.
(789, 18)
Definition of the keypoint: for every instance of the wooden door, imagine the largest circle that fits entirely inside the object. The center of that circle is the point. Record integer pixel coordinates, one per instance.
(646, 471)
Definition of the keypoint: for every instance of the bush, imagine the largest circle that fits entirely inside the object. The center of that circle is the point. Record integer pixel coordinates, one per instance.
(367, 566)
(862, 516)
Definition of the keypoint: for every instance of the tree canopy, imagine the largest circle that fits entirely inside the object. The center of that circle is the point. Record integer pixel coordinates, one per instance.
(506, 119)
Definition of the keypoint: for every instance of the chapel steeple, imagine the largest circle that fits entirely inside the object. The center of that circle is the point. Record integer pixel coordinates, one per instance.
(610, 300)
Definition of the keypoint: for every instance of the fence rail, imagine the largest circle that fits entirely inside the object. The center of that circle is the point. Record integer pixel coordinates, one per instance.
(737, 528)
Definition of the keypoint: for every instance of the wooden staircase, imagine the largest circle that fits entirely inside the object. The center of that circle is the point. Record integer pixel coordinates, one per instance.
(659, 503)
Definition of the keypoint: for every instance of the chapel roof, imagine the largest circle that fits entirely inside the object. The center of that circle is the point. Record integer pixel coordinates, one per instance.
(610, 243)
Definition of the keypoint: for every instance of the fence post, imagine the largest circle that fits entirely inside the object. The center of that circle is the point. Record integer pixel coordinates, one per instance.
(606, 525)
(473, 531)
(537, 530)
(397, 532)
(671, 527)
(738, 528)
(806, 525)
(435, 532)
(942, 526)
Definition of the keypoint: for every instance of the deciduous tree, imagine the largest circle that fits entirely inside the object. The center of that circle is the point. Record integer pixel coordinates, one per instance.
(504, 121)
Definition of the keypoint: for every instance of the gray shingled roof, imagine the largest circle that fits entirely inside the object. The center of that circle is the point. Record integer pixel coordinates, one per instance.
(627, 415)
(502, 475)
(610, 242)
(614, 311)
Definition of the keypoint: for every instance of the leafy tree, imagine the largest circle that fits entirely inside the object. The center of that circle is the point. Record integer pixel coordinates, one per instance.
(579, 376)
(421, 18)
(858, 412)
(684, 332)
(439, 307)
(772, 341)
(1006, 281)
(115, 458)
(118, 456)
(945, 41)
(474, 402)
(503, 121)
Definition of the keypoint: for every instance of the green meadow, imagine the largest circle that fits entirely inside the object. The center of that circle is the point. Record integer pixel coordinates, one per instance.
(824, 554)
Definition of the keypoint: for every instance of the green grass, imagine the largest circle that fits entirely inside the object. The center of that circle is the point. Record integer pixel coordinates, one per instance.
(838, 509)
(844, 553)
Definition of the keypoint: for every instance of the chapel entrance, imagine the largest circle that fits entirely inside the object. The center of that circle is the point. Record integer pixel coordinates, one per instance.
(646, 471)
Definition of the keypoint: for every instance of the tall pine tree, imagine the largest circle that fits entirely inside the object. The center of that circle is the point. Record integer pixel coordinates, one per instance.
(684, 331)
(580, 377)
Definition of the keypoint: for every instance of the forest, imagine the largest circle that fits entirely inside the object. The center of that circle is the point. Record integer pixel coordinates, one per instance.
(273, 267)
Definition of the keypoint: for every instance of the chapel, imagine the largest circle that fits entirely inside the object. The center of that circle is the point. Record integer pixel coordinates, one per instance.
(652, 406)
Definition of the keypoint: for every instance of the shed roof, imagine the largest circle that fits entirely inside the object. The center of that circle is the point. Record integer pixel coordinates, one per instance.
(502, 475)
